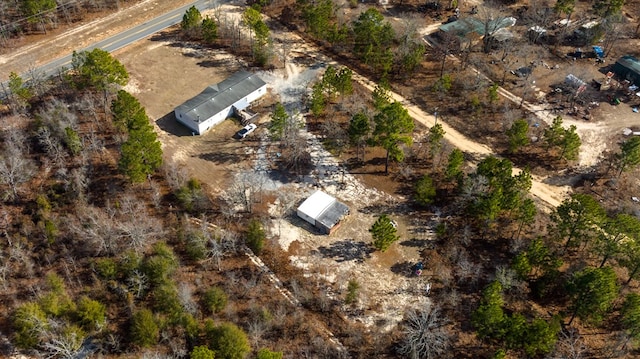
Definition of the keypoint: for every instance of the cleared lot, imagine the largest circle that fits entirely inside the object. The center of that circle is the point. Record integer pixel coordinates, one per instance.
(164, 74)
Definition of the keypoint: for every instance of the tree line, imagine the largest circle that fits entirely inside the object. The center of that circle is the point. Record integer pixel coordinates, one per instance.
(24, 17)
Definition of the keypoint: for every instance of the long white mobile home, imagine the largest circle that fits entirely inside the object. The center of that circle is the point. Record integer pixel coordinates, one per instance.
(217, 102)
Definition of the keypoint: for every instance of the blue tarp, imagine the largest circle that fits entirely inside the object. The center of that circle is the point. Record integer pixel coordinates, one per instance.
(599, 51)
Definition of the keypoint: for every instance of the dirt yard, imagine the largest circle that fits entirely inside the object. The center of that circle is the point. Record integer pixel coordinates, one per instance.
(387, 287)
(165, 72)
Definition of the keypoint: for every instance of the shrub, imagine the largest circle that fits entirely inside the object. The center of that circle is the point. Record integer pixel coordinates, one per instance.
(91, 313)
(190, 325)
(29, 321)
(352, 292)
(161, 265)
(215, 299)
(72, 336)
(202, 352)
(228, 341)
(128, 263)
(50, 230)
(425, 191)
(268, 354)
(57, 301)
(44, 206)
(166, 301)
(196, 246)
(72, 140)
(106, 268)
(255, 236)
(144, 330)
(55, 304)
(191, 196)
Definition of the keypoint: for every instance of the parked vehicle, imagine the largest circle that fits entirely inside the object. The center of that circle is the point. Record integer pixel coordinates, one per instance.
(246, 130)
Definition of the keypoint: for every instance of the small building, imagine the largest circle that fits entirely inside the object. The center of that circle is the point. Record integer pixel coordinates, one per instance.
(323, 211)
(628, 68)
(219, 101)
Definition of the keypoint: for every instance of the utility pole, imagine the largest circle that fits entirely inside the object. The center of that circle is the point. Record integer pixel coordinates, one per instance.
(435, 114)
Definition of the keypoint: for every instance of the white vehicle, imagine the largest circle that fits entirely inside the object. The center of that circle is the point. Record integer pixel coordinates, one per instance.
(246, 130)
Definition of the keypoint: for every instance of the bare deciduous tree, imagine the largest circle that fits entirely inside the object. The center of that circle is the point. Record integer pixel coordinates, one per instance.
(336, 136)
(296, 156)
(156, 193)
(425, 334)
(185, 294)
(136, 224)
(96, 228)
(65, 346)
(52, 146)
(16, 168)
(20, 253)
(175, 175)
(246, 189)
(284, 202)
(570, 345)
(138, 283)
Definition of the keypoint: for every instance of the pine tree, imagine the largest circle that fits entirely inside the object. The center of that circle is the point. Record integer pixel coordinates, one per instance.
(393, 126)
(359, 130)
(191, 21)
(384, 233)
(278, 122)
(593, 291)
(425, 191)
(144, 329)
(518, 135)
(209, 30)
(98, 69)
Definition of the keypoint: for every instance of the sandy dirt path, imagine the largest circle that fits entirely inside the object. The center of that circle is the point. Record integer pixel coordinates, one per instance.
(550, 194)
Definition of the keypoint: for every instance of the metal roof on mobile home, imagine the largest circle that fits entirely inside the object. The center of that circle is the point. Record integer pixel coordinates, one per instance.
(220, 96)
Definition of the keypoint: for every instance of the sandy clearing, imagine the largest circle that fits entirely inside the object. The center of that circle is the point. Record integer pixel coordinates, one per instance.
(591, 133)
(331, 261)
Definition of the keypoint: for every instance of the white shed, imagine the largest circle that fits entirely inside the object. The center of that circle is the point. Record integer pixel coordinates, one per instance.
(217, 102)
(323, 211)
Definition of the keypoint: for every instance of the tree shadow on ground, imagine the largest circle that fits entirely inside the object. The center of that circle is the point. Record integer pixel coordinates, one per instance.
(219, 157)
(414, 242)
(167, 35)
(347, 250)
(404, 268)
(388, 208)
(214, 63)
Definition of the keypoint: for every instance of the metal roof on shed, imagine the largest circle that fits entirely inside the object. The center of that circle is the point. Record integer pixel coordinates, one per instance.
(332, 214)
(316, 204)
(216, 98)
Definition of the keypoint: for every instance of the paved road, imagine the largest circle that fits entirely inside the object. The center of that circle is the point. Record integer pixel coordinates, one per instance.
(126, 37)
